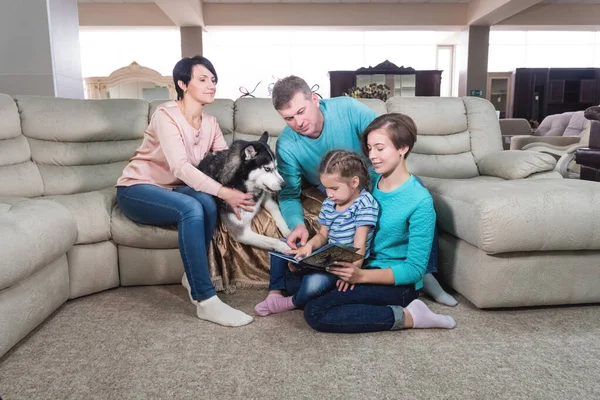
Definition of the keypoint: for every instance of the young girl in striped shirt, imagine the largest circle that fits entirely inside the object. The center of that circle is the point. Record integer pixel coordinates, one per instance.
(348, 216)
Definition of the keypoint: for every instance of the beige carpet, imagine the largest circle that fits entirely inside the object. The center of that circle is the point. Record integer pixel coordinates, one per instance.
(139, 343)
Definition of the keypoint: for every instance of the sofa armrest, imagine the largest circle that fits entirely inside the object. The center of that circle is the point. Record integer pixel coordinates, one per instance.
(562, 166)
(519, 142)
(513, 164)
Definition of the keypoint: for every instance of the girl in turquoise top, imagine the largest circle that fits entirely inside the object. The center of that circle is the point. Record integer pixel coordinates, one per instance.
(386, 289)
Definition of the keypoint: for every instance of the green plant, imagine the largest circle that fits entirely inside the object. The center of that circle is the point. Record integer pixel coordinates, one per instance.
(373, 91)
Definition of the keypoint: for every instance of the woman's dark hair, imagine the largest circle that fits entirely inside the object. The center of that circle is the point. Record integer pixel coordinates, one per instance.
(183, 71)
(348, 165)
(400, 128)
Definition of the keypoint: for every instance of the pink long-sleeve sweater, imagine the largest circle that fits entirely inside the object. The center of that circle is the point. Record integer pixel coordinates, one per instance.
(171, 149)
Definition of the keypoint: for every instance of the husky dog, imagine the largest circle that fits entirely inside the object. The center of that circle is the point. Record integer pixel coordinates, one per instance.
(249, 167)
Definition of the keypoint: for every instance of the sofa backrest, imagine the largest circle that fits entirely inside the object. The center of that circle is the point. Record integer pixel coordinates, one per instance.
(554, 124)
(577, 124)
(454, 134)
(81, 145)
(19, 176)
(253, 117)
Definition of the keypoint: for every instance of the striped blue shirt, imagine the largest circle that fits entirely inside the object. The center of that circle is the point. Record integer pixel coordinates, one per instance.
(341, 225)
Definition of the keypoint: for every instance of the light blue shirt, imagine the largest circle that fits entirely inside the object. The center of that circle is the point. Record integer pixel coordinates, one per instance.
(299, 157)
(341, 225)
(404, 234)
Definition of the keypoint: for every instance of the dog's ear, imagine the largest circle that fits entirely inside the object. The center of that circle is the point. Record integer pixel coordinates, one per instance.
(264, 138)
(249, 153)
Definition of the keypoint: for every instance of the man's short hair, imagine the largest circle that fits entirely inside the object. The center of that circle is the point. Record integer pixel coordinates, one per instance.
(285, 89)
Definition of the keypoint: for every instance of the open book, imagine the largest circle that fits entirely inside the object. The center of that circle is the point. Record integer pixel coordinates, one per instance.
(323, 257)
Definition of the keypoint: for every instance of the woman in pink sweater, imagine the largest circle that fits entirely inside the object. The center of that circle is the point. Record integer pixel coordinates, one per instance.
(162, 186)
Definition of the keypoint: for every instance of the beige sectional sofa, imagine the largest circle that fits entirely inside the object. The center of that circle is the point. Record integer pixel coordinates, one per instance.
(504, 241)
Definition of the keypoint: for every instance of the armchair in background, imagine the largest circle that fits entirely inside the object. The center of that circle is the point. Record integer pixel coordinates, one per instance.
(589, 157)
(511, 127)
(559, 139)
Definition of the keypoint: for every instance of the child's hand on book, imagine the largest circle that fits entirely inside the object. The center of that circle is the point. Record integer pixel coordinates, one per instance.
(301, 252)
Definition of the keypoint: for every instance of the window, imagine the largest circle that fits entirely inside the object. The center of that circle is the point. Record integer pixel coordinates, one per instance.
(445, 63)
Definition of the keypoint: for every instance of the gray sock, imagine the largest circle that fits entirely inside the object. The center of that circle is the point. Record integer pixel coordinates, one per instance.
(398, 318)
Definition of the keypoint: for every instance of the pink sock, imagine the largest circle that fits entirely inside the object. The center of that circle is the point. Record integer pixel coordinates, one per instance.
(423, 317)
(274, 303)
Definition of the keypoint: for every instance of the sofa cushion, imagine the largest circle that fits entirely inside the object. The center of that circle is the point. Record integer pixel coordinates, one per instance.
(81, 121)
(126, 232)
(516, 164)
(577, 124)
(33, 234)
(81, 145)
(453, 134)
(255, 116)
(554, 124)
(79, 178)
(519, 215)
(91, 211)
(18, 175)
(376, 105)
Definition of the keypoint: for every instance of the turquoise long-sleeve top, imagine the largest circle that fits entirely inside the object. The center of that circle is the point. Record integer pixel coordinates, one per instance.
(298, 157)
(404, 233)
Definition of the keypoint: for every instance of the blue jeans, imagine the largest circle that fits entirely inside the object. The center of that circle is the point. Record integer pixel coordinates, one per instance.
(366, 308)
(194, 213)
(301, 285)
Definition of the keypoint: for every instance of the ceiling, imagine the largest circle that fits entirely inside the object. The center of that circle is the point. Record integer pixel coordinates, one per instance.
(292, 1)
(571, 1)
(438, 14)
(340, 1)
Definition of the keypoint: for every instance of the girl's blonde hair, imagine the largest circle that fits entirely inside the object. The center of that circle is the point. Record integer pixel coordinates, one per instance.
(348, 165)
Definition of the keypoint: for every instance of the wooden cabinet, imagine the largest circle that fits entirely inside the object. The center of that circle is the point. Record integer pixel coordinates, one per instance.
(540, 92)
(499, 92)
(428, 83)
(401, 81)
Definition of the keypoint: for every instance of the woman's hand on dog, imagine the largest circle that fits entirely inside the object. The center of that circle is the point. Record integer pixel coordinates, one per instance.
(236, 199)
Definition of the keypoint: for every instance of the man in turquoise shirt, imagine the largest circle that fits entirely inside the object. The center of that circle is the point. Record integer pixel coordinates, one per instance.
(315, 127)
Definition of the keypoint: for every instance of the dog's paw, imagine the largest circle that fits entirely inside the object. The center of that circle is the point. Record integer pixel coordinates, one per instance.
(281, 247)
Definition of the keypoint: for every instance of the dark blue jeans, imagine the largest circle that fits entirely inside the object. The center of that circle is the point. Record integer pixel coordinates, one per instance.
(366, 308)
(194, 213)
(300, 285)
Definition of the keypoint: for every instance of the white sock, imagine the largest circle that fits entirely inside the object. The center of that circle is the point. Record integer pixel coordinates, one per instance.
(423, 317)
(432, 287)
(186, 285)
(214, 310)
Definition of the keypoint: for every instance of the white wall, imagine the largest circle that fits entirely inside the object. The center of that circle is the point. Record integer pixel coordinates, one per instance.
(105, 49)
(247, 57)
(543, 49)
